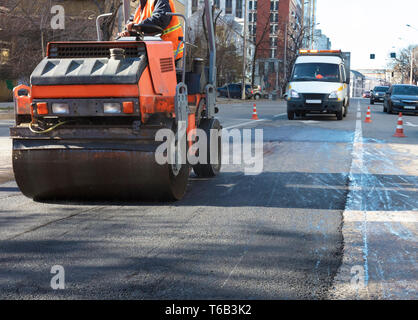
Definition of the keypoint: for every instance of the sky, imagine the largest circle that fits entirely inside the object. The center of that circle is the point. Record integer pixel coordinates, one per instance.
(369, 26)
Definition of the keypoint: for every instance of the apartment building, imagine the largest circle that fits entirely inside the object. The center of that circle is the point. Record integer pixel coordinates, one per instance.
(231, 8)
(321, 41)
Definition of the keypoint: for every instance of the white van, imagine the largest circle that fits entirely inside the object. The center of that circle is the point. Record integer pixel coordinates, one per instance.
(319, 84)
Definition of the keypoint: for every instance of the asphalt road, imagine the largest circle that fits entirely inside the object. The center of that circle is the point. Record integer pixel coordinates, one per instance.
(281, 234)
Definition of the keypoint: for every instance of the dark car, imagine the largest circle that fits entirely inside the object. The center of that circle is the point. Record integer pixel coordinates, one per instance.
(233, 90)
(401, 98)
(378, 94)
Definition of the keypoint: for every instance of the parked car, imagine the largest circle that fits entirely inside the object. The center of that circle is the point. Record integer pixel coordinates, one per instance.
(366, 94)
(233, 90)
(401, 98)
(378, 94)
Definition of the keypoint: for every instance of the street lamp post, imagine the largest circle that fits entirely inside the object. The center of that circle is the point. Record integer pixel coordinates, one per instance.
(412, 57)
(412, 66)
(244, 63)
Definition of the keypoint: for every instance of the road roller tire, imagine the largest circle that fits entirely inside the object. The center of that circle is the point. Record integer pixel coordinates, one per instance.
(209, 170)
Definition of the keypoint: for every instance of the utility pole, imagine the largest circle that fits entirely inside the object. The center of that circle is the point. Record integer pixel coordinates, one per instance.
(412, 65)
(244, 54)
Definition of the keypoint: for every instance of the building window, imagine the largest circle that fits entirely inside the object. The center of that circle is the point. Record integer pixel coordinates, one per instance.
(276, 6)
(194, 5)
(238, 9)
(250, 6)
(228, 6)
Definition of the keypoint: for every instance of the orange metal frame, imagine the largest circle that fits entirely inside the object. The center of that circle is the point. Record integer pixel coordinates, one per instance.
(155, 90)
(22, 103)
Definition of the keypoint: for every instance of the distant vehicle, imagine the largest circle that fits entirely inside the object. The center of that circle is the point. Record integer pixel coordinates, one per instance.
(319, 84)
(366, 94)
(378, 94)
(234, 91)
(257, 93)
(401, 98)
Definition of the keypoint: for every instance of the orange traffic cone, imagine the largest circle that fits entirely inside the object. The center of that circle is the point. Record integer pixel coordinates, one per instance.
(399, 128)
(255, 116)
(368, 116)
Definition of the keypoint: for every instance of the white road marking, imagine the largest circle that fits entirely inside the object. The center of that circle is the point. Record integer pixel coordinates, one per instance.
(409, 124)
(244, 123)
(382, 216)
(358, 115)
(355, 197)
(254, 121)
(309, 121)
(279, 115)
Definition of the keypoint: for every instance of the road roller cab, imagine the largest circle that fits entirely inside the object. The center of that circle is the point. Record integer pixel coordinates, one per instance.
(95, 110)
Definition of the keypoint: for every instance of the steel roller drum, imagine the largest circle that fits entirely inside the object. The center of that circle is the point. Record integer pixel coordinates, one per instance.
(104, 169)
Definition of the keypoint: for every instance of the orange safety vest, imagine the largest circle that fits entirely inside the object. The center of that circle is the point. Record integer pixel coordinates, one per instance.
(172, 33)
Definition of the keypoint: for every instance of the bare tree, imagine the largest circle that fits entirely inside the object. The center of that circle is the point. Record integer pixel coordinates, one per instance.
(294, 44)
(25, 29)
(402, 64)
(108, 24)
(263, 30)
(228, 58)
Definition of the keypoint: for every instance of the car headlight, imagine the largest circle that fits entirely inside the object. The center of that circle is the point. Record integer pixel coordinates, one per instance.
(396, 100)
(294, 94)
(60, 108)
(112, 107)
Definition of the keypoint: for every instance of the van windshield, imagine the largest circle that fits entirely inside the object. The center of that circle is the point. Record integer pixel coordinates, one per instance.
(316, 72)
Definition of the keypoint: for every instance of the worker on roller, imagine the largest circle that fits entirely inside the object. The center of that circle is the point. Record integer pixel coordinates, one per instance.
(154, 12)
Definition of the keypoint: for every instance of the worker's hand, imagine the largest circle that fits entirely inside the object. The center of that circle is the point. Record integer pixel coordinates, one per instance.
(127, 31)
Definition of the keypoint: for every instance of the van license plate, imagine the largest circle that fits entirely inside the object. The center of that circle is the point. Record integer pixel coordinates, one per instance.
(314, 101)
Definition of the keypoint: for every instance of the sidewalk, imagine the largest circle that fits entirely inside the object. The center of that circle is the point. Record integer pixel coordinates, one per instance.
(6, 105)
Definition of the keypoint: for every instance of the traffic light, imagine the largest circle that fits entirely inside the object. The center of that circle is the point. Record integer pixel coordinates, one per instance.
(372, 56)
(393, 55)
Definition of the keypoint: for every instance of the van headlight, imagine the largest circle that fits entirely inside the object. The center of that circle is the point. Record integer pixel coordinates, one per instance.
(294, 94)
(112, 107)
(333, 95)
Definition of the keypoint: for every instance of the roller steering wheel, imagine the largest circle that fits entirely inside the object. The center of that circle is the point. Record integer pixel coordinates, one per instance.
(146, 29)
